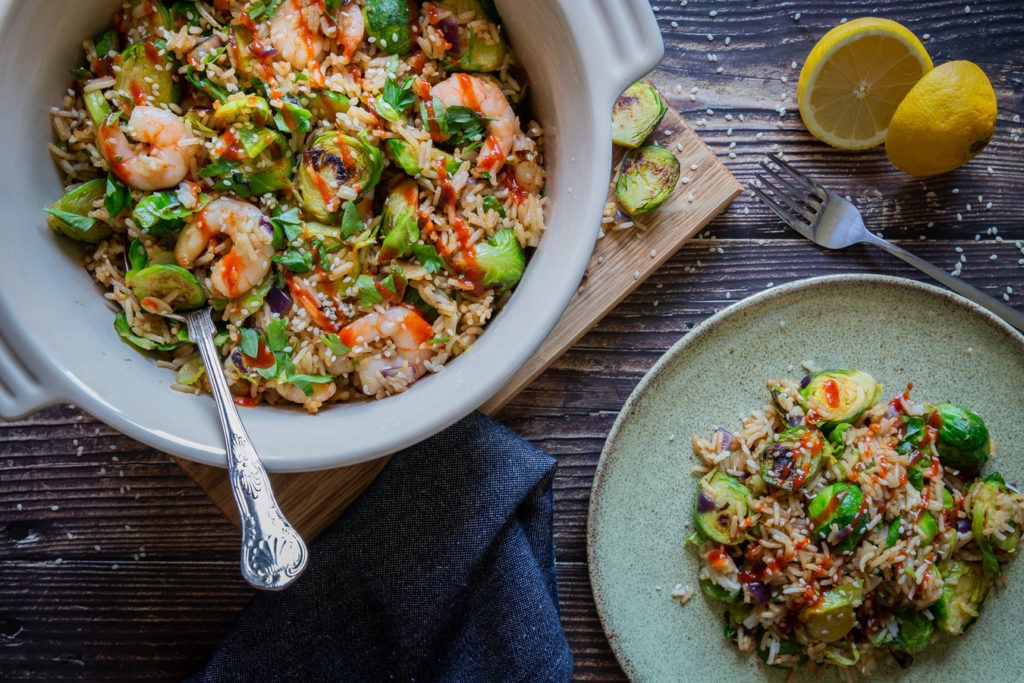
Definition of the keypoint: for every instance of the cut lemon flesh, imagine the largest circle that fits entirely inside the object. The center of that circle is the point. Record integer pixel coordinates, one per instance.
(855, 77)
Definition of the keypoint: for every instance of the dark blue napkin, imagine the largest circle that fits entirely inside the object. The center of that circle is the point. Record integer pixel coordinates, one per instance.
(443, 570)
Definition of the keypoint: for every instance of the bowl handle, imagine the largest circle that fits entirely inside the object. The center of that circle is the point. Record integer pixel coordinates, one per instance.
(624, 43)
(21, 391)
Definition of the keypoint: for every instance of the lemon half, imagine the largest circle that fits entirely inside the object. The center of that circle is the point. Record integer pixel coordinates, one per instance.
(854, 79)
(944, 121)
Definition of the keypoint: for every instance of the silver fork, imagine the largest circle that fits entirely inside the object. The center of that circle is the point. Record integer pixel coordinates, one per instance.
(827, 219)
(273, 553)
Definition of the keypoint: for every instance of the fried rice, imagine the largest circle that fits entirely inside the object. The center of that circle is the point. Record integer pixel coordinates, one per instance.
(306, 113)
(914, 557)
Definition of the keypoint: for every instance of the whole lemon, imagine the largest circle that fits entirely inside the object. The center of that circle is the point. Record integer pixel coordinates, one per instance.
(944, 121)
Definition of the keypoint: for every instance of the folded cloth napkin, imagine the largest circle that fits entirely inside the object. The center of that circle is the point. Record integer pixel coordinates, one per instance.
(443, 570)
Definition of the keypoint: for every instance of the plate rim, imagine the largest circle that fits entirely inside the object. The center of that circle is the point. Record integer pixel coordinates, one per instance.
(692, 337)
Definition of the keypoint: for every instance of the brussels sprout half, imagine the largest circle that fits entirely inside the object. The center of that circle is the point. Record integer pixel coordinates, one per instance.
(962, 441)
(915, 631)
(834, 615)
(793, 458)
(501, 260)
(835, 396)
(388, 25)
(333, 161)
(139, 80)
(839, 507)
(399, 221)
(964, 590)
(647, 177)
(69, 215)
(635, 114)
(714, 512)
(404, 154)
(170, 283)
(241, 107)
(990, 501)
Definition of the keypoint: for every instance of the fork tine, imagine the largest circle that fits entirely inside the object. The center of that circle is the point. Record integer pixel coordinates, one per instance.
(794, 209)
(796, 221)
(814, 187)
(810, 203)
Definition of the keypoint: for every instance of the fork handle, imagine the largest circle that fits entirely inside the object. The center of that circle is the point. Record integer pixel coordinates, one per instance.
(1007, 313)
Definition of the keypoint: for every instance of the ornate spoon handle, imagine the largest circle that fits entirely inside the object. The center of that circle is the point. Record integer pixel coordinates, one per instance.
(273, 554)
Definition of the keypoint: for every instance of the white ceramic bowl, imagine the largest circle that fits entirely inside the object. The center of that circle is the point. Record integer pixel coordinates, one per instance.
(57, 341)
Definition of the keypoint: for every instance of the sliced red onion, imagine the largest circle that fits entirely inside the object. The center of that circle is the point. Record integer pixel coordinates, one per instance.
(892, 412)
(759, 592)
(844, 533)
(805, 381)
(262, 51)
(962, 525)
(280, 300)
(243, 366)
(704, 504)
(449, 28)
(726, 438)
(267, 225)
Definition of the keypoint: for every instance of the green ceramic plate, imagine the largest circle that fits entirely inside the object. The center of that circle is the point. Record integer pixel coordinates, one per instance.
(641, 505)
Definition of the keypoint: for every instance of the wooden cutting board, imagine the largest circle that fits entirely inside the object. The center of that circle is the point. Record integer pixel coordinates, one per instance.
(622, 259)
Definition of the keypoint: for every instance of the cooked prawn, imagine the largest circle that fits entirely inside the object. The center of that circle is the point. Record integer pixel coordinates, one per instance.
(388, 371)
(486, 99)
(292, 393)
(294, 32)
(351, 29)
(251, 234)
(163, 160)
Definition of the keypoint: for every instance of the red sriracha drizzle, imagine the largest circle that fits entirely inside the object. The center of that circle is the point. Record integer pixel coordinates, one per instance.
(831, 388)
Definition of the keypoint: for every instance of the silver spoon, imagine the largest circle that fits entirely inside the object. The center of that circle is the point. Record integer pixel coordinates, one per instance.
(273, 553)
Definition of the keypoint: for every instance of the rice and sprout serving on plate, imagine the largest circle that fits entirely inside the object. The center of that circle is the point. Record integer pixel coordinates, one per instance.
(835, 526)
(353, 186)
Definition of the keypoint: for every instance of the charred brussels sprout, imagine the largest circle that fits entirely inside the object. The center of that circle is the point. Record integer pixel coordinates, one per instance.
(635, 114)
(839, 509)
(145, 72)
(962, 441)
(835, 396)
(647, 177)
(388, 25)
(399, 221)
(720, 500)
(69, 215)
(501, 260)
(991, 510)
(835, 614)
(964, 590)
(793, 457)
(331, 162)
(168, 282)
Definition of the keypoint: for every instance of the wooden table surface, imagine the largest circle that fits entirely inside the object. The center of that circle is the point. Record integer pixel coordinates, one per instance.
(114, 565)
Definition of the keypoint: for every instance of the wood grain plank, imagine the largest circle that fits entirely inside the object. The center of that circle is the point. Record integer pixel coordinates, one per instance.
(624, 258)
